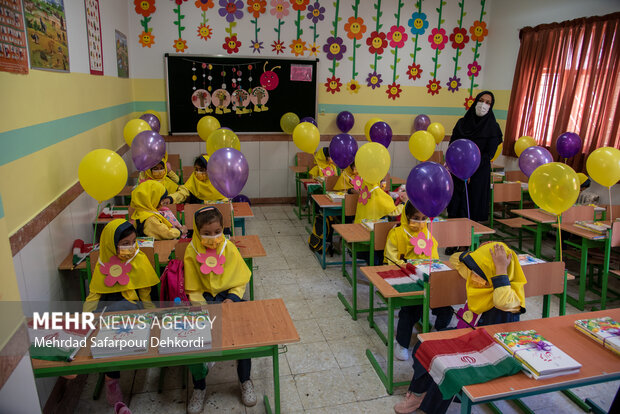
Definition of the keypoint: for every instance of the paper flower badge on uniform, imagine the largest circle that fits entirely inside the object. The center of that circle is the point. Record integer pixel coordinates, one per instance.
(328, 172)
(422, 245)
(211, 262)
(357, 182)
(364, 195)
(115, 271)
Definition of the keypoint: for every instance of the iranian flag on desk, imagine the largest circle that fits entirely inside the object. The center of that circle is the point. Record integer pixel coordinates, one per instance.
(469, 359)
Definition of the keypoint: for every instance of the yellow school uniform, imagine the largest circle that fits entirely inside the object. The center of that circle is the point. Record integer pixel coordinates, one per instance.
(142, 276)
(398, 243)
(145, 199)
(504, 292)
(379, 204)
(233, 274)
(203, 190)
(344, 180)
(322, 165)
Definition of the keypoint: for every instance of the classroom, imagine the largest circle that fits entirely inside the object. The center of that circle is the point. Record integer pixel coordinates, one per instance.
(378, 206)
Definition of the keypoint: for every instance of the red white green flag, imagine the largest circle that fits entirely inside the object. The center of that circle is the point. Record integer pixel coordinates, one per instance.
(469, 359)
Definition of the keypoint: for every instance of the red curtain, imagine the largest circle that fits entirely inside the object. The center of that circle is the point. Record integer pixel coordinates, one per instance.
(567, 78)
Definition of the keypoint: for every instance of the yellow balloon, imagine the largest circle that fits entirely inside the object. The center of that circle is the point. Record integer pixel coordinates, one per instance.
(523, 143)
(554, 187)
(372, 161)
(438, 131)
(102, 174)
(498, 152)
(306, 136)
(206, 125)
(370, 123)
(133, 128)
(582, 178)
(603, 165)
(422, 145)
(222, 138)
(150, 111)
(288, 122)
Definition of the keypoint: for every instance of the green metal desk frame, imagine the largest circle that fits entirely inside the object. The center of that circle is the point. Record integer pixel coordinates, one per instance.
(538, 231)
(167, 361)
(327, 212)
(298, 208)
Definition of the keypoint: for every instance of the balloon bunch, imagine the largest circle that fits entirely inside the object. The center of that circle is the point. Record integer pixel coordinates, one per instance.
(305, 131)
(142, 134)
(427, 135)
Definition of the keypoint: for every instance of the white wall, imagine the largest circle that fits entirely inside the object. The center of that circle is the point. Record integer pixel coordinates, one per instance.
(507, 17)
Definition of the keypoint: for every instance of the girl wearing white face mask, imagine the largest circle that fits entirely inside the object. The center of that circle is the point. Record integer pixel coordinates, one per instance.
(478, 125)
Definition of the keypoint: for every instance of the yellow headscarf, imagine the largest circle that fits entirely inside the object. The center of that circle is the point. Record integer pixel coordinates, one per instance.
(344, 180)
(379, 204)
(400, 237)
(141, 275)
(203, 190)
(236, 273)
(321, 164)
(145, 199)
(170, 185)
(479, 288)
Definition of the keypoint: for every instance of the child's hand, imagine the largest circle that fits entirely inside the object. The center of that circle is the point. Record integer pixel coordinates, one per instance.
(403, 196)
(183, 229)
(228, 301)
(166, 201)
(501, 259)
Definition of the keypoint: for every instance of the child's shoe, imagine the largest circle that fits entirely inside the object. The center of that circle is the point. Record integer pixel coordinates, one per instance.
(411, 403)
(121, 408)
(400, 352)
(196, 402)
(113, 393)
(248, 397)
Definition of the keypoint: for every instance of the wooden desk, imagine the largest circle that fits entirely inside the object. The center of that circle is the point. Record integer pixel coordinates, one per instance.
(330, 208)
(479, 230)
(589, 239)
(298, 169)
(543, 222)
(249, 247)
(241, 211)
(396, 182)
(271, 326)
(598, 363)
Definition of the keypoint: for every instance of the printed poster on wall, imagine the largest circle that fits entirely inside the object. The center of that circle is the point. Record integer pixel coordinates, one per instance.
(47, 34)
(122, 57)
(93, 30)
(13, 53)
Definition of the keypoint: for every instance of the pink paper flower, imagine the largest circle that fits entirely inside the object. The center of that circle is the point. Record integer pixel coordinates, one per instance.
(422, 245)
(357, 182)
(397, 36)
(116, 272)
(364, 195)
(328, 172)
(211, 262)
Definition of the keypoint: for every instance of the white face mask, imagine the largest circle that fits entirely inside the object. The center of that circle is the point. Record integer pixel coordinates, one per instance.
(482, 108)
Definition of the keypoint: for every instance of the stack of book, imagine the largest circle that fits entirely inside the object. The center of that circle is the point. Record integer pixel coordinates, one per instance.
(605, 331)
(336, 195)
(597, 227)
(539, 357)
(370, 224)
(57, 344)
(185, 331)
(121, 335)
(145, 241)
(425, 267)
(526, 259)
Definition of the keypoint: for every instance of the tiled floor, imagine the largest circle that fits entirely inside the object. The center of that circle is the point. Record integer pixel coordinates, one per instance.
(327, 372)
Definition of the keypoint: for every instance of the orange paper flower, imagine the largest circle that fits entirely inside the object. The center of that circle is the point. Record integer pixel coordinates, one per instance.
(147, 39)
(204, 5)
(180, 45)
(299, 5)
(298, 47)
(355, 28)
(478, 31)
(204, 31)
(257, 7)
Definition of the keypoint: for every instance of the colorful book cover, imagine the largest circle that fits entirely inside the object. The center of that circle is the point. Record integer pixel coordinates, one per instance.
(605, 331)
(145, 241)
(526, 259)
(336, 195)
(597, 226)
(370, 224)
(122, 334)
(185, 331)
(428, 266)
(57, 344)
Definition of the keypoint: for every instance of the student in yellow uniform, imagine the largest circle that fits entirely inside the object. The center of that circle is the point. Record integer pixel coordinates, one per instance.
(374, 203)
(161, 173)
(494, 287)
(398, 249)
(324, 167)
(198, 188)
(345, 180)
(122, 280)
(215, 273)
(146, 199)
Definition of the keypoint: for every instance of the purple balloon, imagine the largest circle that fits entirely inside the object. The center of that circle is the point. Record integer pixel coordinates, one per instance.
(429, 188)
(228, 171)
(568, 144)
(242, 199)
(308, 119)
(463, 158)
(421, 122)
(152, 120)
(381, 132)
(225, 128)
(148, 148)
(532, 158)
(345, 121)
(342, 150)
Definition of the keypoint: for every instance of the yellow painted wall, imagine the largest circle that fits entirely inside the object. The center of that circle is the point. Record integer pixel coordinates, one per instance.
(9, 321)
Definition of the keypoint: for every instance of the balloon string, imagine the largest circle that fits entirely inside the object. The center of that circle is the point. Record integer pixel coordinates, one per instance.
(467, 198)
(611, 208)
(430, 259)
(560, 235)
(96, 224)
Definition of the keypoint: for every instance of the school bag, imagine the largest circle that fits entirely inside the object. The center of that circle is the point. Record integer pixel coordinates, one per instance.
(173, 283)
(315, 241)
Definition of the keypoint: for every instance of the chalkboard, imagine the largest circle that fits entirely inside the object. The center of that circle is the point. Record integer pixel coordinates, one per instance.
(246, 94)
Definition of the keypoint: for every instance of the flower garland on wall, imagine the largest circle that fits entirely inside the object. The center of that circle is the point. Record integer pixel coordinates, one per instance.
(438, 41)
(298, 46)
(145, 8)
(256, 8)
(180, 45)
(335, 50)
(459, 39)
(280, 10)
(204, 30)
(355, 29)
(316, 13)
(397, 38)
(478, 32)
(418, 25)
(231, 10)
(376, 45)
